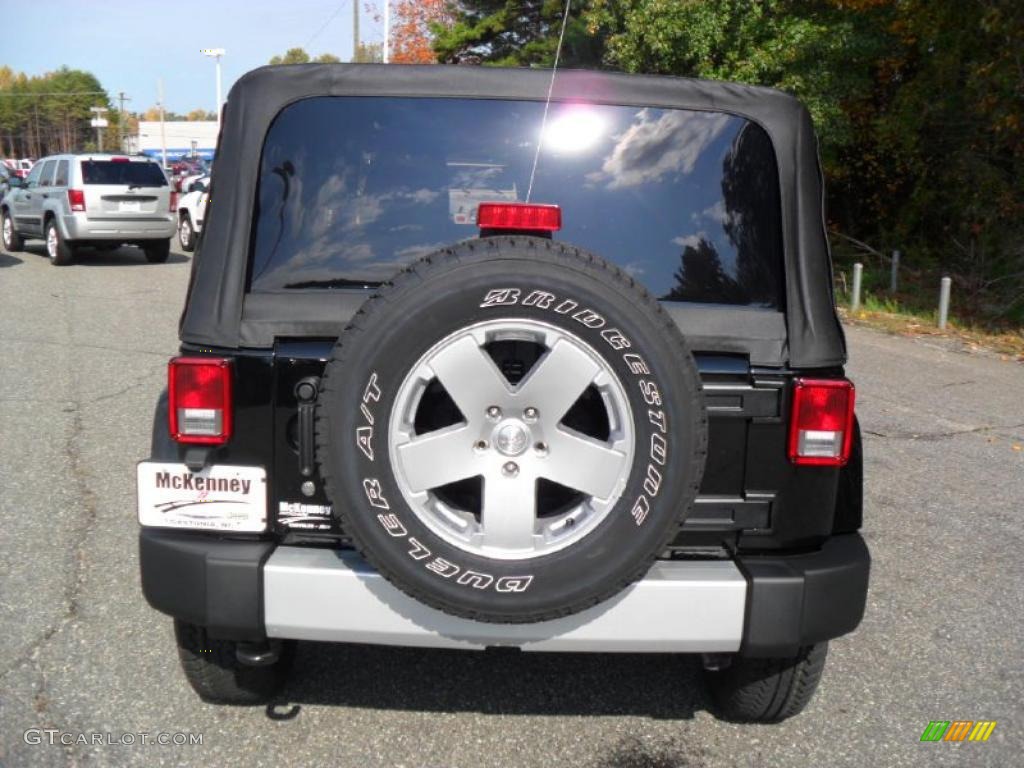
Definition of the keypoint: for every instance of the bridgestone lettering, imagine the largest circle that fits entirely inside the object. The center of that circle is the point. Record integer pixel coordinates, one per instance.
(374, 493)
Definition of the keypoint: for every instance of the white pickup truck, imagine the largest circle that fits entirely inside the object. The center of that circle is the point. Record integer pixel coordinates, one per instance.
(191, 207)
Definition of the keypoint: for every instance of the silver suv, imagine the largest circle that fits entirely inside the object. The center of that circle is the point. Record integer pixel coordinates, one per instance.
(98, 200)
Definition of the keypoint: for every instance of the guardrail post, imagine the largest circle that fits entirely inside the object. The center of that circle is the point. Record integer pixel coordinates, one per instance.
(858, 271)
(944, 288)
(894, 277)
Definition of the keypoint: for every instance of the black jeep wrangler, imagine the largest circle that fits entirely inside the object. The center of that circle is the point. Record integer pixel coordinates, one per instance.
(466, 365)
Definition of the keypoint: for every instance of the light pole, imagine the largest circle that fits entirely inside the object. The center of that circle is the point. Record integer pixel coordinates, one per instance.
(163, 132)
(215, 53)
(387, 30)
(99, 123)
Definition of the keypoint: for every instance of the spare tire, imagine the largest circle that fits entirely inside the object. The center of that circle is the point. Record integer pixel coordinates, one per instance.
(511, 430)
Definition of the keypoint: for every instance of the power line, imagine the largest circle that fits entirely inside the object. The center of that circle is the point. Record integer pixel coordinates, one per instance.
(333, 16)
(55, 93)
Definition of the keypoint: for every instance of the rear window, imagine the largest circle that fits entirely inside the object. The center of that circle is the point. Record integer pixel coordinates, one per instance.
(132, 173)
(352, 188)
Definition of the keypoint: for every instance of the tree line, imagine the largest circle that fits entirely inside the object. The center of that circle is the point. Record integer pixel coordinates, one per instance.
(46, 114)
(49, 113)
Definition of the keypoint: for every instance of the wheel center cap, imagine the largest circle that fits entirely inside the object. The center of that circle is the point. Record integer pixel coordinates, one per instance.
(511, 438)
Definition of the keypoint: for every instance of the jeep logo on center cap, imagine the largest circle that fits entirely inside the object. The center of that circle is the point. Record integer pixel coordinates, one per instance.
(511, 438)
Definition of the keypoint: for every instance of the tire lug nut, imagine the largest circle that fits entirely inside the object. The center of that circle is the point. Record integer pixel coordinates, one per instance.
(530, 414)
(541, 449)
(480, 445)
(510, 469)
(494, 413)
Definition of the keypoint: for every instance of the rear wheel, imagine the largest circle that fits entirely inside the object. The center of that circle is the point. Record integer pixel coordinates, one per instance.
(213, 670)
(59, 250)
(186, 235)
(12, 240)
(157, 251)
(769, 690)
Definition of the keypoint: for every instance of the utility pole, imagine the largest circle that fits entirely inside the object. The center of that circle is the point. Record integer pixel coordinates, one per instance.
(120, 120)
(355, 30)
(35, 134)
(387, 29)
(163, 135)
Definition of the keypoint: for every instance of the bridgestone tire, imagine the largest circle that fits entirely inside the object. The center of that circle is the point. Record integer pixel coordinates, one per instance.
(215, 673)
(515, 280)
(753, 690)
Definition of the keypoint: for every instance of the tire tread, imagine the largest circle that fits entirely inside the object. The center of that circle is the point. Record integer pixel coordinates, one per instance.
(214, 672)
(768, 690)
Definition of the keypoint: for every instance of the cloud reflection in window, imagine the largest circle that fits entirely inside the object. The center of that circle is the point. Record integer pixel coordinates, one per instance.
(652, 148)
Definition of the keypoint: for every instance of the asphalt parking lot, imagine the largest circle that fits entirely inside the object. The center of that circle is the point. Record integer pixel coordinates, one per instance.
(82, 359)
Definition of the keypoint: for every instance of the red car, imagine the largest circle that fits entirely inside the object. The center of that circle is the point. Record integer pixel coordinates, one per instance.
(21, 167)
(182, 168)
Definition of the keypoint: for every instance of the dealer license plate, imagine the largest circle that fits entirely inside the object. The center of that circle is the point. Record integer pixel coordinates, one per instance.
(218, 498)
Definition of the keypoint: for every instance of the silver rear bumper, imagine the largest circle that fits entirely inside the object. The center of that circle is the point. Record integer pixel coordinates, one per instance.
(153, 227)
(680, 606)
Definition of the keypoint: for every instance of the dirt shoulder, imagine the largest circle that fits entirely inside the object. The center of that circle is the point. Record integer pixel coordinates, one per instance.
(1007, 345)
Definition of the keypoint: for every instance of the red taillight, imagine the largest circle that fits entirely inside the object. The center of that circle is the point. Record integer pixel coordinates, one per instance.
(76, 199)
(199, 399)
(519, 216)
(120, 160)
(821, 424)
(174, 201)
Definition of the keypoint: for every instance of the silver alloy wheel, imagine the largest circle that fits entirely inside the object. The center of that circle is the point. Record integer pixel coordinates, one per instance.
(8, 231)
(51, 241)
(511, 436)
(185, 232)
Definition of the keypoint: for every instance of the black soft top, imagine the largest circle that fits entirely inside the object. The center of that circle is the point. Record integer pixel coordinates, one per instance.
(216, 312)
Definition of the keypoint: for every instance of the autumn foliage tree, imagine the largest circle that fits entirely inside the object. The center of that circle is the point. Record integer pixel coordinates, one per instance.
(415, 22)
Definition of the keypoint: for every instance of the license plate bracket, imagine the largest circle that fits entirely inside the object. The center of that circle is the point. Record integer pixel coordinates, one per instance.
(217, 498)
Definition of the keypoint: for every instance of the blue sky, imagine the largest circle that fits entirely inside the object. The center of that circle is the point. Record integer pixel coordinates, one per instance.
(129, 45)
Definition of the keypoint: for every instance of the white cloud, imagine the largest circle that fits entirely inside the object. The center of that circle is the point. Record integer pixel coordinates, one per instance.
(358, 252)
(716, 212)
(653, 148)
(421, 196)
(690, 241)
